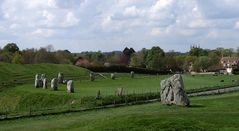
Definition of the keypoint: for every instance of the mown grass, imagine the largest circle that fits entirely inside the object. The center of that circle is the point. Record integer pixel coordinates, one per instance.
(26, 97)
(140, 84)
(219, 112)
(13, 74)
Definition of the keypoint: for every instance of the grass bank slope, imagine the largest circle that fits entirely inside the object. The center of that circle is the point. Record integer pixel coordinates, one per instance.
(219, 112)
(11, 74)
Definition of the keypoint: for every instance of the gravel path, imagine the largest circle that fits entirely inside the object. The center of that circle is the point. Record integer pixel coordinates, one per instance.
(216, 91)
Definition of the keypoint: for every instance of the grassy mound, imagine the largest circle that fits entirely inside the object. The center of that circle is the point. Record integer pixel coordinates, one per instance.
(12, 74)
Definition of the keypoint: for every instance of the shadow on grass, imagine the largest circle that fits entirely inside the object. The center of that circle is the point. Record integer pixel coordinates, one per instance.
(196, 106)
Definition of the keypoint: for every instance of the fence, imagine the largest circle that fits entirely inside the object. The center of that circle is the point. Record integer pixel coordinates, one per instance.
(91, 103)
(87, 103)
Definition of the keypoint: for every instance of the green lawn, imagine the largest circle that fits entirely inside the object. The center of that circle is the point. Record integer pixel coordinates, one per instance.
(12, 74)
(26, 96)
(140, 84)
(219, 112)
(212, 112)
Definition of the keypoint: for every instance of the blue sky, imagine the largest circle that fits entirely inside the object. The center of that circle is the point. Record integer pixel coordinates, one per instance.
(106, 25)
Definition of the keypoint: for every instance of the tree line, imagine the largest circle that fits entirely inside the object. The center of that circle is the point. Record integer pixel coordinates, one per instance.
(196, 59)
(12, 54)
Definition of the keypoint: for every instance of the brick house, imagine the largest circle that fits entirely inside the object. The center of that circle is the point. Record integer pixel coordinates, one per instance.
(228, 63)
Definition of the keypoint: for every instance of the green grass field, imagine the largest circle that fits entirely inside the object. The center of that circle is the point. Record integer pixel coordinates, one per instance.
(12, 74)
(219, 112)
(140, 84)
(25, 96)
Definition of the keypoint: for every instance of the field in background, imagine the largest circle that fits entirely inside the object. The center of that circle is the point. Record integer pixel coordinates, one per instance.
(218, 112)
(21, 95)
(139, 84)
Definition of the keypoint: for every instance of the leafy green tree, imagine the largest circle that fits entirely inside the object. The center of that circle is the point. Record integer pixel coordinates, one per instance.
(201, 64)
(11, 48)
(155, 58)
(197, 51)
(43, 56)
(139, 59)
(136, 60)
(64, 57)
(17, 58)
(28, 56)
(128, 52)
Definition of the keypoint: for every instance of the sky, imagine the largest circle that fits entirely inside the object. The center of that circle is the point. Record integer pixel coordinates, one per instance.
(107, 25)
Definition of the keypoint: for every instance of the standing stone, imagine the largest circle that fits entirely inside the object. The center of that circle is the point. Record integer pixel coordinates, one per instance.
(43, 76)
(70, 86)
(54, 84)
(112, 76)
(132, 74)
(44, 83)
(92, 76)
(98, 96)
(37, 81)
(172, 91)
(60, 77)
(120, 92)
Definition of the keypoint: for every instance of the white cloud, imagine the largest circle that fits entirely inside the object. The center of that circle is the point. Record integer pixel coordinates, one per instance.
(132, 11)
(212, 34)
(200, 23)
(33, 4)
(71, 20)
(156, 31)
(43, 33)
(171, 21)
(236, 26)
(161, 5)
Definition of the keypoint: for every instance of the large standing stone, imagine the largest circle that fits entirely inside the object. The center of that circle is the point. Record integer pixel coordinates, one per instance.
(172, 91)
(92, 76)
(98, 95)
(60, 77)
(44, 83)
(70, 86)
(37, 81)
(43, 76)
(54, 84)
(120, 92)
(132, 74)
(112, 76)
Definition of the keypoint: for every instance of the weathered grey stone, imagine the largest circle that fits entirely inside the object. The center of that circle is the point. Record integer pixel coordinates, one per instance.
(92, 76)
(37, 81)
(172, 91)
(112, 76)
(132, 74)
(120, 92)
(98, 95)
(65, 81)
(70, 86)
(43, 76)
(60, 77)
(44, 83)
(54, 84)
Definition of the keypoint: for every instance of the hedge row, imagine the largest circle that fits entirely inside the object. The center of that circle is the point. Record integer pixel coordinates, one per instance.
(236, 71)
(125, 69)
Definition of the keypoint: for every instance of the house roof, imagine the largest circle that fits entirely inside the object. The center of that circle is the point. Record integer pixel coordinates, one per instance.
(230, 59)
